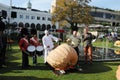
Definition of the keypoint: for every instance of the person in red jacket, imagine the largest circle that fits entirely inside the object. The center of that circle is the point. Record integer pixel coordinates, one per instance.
(23, 44)
(34, 41)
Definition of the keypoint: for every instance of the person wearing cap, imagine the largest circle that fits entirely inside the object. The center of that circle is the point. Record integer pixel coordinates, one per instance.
(48, 44)
(35, 42)
(3, 43)
(23, 44)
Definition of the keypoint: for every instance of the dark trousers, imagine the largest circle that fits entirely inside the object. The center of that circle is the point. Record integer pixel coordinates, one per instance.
(34, 58)
(88, 53)
(77, 50)
(2, 57)
(25, 61)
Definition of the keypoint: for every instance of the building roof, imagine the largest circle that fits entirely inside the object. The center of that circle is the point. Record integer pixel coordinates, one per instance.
(20, 8)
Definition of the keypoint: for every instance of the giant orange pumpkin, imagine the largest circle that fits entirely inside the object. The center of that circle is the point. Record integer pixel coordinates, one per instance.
(62, 57)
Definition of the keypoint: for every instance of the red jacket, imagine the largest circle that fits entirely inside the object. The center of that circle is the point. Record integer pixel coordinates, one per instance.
(23, 44)
(34, 41)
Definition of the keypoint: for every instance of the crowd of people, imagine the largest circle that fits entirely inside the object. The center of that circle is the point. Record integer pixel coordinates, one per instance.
(47, 44)
(25, 42)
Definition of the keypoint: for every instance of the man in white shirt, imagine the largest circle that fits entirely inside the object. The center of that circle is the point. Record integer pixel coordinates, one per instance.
(48, 43)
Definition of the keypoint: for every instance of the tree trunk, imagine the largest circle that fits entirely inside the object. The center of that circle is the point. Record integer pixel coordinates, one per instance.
(74, 27)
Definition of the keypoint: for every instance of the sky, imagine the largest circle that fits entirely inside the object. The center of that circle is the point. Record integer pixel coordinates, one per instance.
(45, 5)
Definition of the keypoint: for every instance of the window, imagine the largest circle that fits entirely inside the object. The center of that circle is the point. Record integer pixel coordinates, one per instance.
(32, 17)
(49, 19)
(38, 18)
(43, 18)
(27, 17)
(97, 14)
(108, 15)
(21, 16)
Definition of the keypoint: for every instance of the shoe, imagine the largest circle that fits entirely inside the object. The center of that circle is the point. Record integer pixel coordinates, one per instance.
(80, 69)
(34, 63)
(24, 67)
(72, 67)
(46, 63)
(56, 72)
(4, 63)
(28, 66)
(62, 71)
(59, 72)
(1, 67)
(85, 63)
(90, 63)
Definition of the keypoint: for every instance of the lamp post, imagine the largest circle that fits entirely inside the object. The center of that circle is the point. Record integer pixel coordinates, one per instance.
(106, 52)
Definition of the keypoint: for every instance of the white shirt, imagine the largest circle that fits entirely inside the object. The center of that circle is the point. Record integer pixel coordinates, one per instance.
(75, 40)
(48, 41)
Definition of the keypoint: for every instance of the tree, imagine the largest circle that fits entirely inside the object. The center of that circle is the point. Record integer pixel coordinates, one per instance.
(73, 12)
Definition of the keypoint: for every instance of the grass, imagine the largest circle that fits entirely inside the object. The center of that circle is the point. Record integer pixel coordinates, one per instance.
(13, 71)
(103, 43)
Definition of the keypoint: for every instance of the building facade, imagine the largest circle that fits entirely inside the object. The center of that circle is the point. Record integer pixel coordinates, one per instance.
(26, 17)
(33, 18)
(105, 15)
(100, 15)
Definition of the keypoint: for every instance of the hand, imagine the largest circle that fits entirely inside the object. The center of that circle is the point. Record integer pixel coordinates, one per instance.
(60, 39)
(26, 52)
(48, 46)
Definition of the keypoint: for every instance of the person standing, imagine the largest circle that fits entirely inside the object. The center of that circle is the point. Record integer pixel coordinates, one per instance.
(87, 45)
(3, 43)
(74, 41)
(23, 44)
(35, 42)
(48, 44)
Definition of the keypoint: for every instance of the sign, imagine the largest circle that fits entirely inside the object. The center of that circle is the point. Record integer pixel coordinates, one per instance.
(60, 30)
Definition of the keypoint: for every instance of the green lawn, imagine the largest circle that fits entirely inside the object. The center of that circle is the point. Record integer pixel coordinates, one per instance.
(13, 71)
(105, 43)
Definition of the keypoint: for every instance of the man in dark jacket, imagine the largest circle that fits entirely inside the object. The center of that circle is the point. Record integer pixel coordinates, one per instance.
(3, 43)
